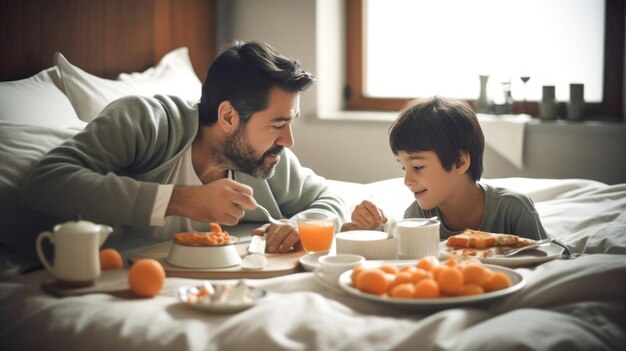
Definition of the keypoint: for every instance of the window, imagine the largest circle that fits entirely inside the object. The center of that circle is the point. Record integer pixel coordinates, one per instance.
(401, 49)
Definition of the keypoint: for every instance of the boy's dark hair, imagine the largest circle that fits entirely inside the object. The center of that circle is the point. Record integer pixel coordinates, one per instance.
(445, 126)
(244, 73)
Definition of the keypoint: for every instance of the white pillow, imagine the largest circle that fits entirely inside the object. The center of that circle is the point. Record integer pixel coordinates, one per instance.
(89, 94)
(36, 101)
(21, 147)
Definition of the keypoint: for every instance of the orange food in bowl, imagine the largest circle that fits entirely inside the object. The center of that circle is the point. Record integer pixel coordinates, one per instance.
(215, 228)
(110, 259)
(146, 277)
(202, 239)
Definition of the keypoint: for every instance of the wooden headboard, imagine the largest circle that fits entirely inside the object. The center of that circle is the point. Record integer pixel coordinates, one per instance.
(103, 37)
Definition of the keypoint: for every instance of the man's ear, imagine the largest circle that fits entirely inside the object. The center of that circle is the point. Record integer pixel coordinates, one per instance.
(227, 117)
(464, 163)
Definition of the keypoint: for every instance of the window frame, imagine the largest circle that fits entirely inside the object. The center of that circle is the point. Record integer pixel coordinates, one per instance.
(610, 108)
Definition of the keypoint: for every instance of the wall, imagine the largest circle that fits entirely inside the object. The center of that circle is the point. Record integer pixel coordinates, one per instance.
(342, 146)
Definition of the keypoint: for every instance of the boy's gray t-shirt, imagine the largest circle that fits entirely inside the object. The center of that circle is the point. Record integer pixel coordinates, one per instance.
(506, 212)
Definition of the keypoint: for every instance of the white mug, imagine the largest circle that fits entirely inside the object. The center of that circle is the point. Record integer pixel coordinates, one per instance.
(76, 252)
(331, 267)
(417, 238)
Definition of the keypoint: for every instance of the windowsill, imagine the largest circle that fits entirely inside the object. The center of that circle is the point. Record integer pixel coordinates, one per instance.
(597, 122)
(357, 116)
(385, 116)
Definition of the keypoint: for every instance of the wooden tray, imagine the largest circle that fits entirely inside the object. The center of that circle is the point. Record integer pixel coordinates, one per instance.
(277, 264)
(113, 282)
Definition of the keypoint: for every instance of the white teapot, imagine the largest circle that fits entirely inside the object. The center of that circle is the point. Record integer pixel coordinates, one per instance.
(76, 252)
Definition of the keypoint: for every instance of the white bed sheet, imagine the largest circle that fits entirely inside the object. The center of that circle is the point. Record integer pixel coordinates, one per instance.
(573, 304)
(566, 304)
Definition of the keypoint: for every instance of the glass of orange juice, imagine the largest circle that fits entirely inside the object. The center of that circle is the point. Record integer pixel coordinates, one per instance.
(317, 229)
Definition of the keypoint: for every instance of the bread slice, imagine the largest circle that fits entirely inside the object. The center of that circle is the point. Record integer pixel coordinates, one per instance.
(476, 239)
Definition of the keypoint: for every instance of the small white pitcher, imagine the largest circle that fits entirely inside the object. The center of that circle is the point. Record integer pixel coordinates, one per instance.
(76, 252)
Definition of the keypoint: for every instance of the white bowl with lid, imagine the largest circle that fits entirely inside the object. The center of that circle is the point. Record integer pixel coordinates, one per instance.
(371, 244)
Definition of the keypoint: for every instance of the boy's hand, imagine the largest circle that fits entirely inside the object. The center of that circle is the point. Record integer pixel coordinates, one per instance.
(366, 215)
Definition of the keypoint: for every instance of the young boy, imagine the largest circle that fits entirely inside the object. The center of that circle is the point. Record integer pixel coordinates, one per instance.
(439, 143)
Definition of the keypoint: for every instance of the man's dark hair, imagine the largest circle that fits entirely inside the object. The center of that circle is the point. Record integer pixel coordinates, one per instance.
(244, 73)
(444, 126)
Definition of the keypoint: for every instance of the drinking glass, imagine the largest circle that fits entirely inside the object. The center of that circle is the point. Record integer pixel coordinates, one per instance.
(317, 229)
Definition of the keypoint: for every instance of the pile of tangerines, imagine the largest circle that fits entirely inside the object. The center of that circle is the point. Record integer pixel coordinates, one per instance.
(429, 278)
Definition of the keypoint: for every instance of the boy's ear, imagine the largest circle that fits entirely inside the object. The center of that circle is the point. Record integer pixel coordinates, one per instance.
(464, 163)
(227, 117)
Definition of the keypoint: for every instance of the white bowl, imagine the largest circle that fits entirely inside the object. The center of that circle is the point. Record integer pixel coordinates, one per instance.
(217, 256)
(371, 244)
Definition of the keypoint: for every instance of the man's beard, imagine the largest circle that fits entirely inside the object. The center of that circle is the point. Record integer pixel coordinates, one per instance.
(243, 157)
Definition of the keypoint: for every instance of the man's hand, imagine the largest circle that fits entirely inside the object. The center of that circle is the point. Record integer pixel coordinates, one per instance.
(223, 201)
(280, 238)
(366, 216)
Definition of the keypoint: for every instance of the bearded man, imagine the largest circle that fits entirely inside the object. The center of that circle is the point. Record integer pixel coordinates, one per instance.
(153, 167)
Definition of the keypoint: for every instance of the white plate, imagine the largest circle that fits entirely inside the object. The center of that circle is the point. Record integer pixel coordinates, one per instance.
(517, 282)
(524, 258)
(310, 261)
(334, 288)
(185, 295)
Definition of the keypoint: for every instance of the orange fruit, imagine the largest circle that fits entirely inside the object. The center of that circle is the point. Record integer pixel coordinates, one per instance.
(419, 274)
(356, 271)
(406, 290)
(450, 281)
(400, 278)
(497, 281)
(427, 289)
(110, 259)
(389, 268)
(428, 263)
(471, 289)
(451, 262)
(436, 270)
(373, 281)
(146, 277)
(474, 273)
(409, 269)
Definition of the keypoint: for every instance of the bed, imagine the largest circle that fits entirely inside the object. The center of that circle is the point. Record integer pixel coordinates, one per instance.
(577, 301)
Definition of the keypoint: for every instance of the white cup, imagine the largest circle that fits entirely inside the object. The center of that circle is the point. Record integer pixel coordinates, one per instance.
(416, 238)
(331, 267)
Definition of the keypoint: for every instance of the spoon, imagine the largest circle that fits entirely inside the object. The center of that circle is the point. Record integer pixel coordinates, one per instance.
(269, 216)
(231, 175)
(541, 242)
